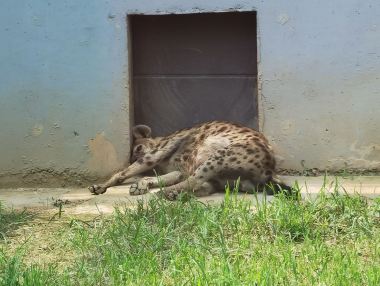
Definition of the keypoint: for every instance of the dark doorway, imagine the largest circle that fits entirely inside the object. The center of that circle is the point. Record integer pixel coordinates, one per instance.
(194, 68)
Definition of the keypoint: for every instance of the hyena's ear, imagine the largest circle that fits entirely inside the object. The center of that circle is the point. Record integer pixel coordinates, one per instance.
(141, 131)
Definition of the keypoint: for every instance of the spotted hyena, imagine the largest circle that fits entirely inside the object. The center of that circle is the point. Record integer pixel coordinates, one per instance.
(201, 160)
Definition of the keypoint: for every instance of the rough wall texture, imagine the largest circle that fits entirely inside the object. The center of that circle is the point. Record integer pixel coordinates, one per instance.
(64, 92)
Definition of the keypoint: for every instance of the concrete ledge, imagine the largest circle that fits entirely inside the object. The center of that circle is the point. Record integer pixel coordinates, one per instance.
(80, 201)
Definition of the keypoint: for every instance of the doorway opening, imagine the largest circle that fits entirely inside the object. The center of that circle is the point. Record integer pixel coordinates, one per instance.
(192, 68)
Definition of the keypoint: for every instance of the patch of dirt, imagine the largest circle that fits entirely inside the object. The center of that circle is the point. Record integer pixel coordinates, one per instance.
(45, 238)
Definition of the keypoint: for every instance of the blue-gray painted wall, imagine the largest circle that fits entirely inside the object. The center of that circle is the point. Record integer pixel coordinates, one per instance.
(64, 84)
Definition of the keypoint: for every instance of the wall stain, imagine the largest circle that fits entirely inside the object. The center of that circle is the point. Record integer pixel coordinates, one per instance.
(37, 130)
(283, 18)
(104, 159)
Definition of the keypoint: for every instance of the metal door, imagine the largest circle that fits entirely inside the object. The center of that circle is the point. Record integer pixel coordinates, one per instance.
(194, 68)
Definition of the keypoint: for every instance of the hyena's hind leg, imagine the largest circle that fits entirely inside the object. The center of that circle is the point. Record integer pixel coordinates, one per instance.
(143, 185)
(225, 165)
(201, 182)
(199, 189)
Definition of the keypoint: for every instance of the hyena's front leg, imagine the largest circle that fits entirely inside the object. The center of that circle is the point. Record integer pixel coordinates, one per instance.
(146, 163)
(133, 170)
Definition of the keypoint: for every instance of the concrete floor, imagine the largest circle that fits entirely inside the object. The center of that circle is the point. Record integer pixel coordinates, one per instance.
(80, 201)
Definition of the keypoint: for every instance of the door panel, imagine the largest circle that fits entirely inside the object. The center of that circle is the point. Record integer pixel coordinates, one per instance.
(219, 43)
(171, 102)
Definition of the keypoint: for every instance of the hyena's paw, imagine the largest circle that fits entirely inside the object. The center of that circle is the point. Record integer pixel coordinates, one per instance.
(140, 188)
(97, 190)
(171, 195)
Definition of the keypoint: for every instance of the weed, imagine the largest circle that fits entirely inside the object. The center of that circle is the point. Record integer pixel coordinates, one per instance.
(10, 219)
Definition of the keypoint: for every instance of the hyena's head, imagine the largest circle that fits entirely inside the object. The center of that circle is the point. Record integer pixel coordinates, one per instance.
(142, 142)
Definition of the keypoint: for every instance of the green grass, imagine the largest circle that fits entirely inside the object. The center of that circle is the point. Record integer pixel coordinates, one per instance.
(329, 240)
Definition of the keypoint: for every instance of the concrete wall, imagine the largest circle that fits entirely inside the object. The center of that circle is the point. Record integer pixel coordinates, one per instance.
(64, 92)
